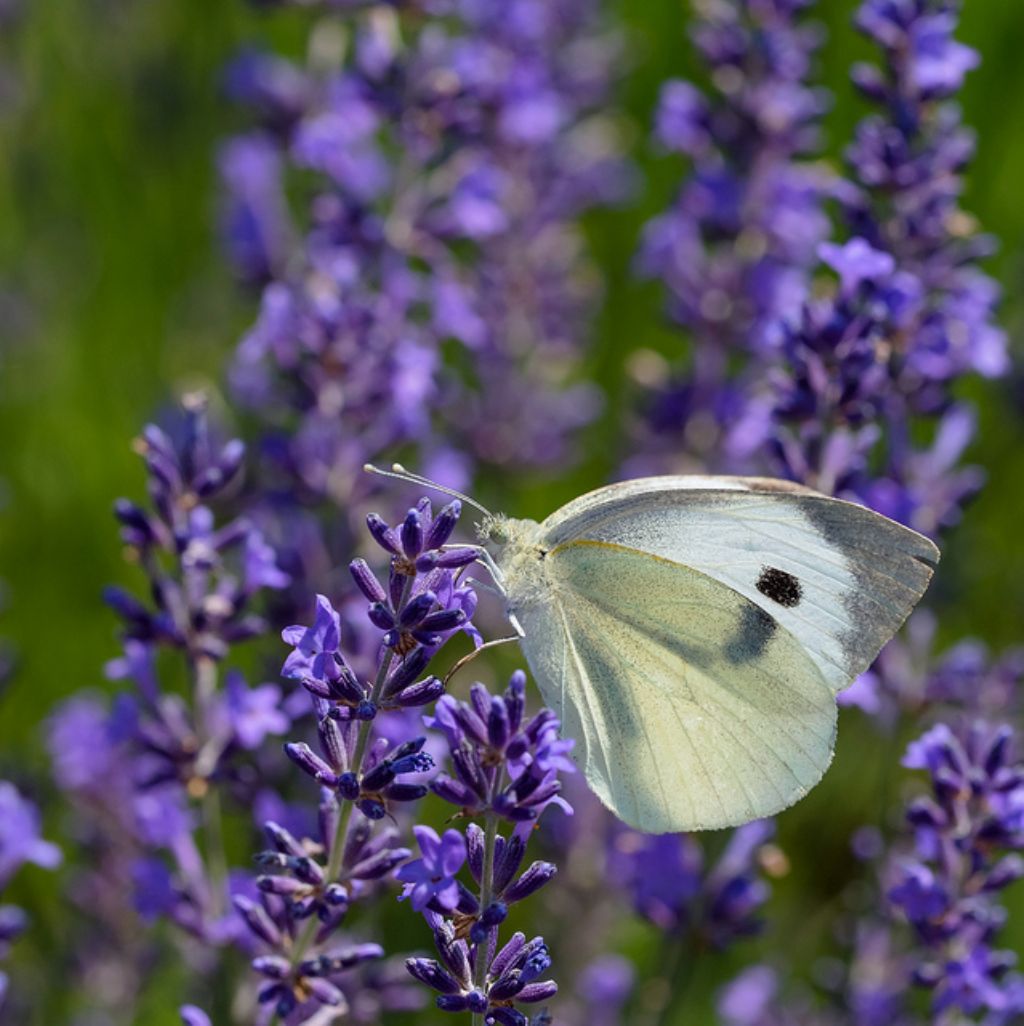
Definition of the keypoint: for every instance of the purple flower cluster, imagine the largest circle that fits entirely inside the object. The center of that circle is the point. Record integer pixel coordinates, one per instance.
(864, 370)
(908, 161)
(202, 575)
(451, 156)
(20, 843)
(368, 763)
(968, 836)
(670, 885)
(736, 249)
(503, 764)
(150, 775)
(911, 675)
(505, 768)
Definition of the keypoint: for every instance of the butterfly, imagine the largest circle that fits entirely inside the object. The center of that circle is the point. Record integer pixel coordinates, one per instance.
(692, 634)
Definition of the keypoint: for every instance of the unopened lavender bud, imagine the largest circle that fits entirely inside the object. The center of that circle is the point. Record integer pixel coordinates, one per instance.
(455, 792)
(444, 524)
(380, 616)
(285, 886)
(283, 839)
(492, 916)
(533, 879)
(366, 581)
(348, 786)
(443, 620)
(318, 688)
(333, 743)
(422, 693)
(476, 1001)
(454, 559)
(274, 966)
(508, 954)
(535, 992)
(406, 792)
(382, 534)
(433, 974)
(416, 609)
(498, 724)
(409, 670)
(508, 861)
(336, 895)
(366, 710)
(412, 534)
(371, 808)
(379, 777)
(306, 759)
(452, 1003)
(258, 920)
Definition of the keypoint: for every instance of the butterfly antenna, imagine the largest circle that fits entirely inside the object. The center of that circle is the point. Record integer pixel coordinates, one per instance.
(399, 473)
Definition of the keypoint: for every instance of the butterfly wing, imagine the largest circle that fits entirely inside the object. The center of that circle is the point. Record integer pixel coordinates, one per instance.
(838, 577)
(690, 706)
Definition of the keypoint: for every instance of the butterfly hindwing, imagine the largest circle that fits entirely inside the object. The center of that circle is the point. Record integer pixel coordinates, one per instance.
(691, 707)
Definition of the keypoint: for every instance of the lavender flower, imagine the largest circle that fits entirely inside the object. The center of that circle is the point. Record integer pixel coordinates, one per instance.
(153, 771)
(505, 768)
(432, 876)
(736, 249)
(451, 159)
(671, 887)
(192, 1016)
(871, 367)
(308, 884)
(20, 843)
(967, 836)
(912, 675)
(511, 976)
(503, 764)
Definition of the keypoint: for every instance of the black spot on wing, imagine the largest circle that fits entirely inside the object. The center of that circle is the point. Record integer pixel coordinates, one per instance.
(780, 586)
(755, 630)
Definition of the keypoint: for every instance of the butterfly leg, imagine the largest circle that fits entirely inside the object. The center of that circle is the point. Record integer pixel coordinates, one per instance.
(472, 655)
(486, 560)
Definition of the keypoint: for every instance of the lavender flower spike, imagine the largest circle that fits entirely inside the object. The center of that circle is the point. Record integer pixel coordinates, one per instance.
(968, 839)
(369, 763)
(506, 768)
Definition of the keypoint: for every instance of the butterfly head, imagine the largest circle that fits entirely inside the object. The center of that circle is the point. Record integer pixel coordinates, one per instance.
(501, 532)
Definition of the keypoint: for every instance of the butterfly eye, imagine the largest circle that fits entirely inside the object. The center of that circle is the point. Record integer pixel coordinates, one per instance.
(495, 529)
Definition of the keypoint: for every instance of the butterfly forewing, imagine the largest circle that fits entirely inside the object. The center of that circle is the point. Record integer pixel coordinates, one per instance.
(690, 706)
(840, 578)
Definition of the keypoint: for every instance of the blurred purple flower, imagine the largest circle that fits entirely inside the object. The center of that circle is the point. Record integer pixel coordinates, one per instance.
(670, 885)
(736, 249)
(192, 1016)
(20, 840)
(252, 714)
(452, 155)
(968, 835)
(20, 844)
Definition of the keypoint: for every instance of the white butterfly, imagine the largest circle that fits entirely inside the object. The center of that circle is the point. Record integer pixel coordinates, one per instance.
(692, 634)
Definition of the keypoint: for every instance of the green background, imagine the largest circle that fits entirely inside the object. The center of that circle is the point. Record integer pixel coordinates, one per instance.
(114, 299)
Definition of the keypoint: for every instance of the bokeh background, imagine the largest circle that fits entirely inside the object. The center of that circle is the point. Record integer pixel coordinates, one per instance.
(115, 298)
